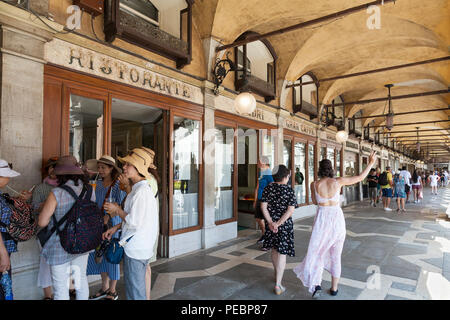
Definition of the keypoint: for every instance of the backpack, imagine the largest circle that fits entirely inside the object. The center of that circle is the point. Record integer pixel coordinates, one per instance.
(84, 227)
(22, 222)
(383, 180)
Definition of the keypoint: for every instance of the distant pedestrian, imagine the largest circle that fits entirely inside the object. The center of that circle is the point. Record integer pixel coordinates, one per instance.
(407, 175)
(386, 183)
(434, 180)
(328, 233)
(278, 202)
(417, 184)
(399, 192)
(373, 183)
(265, 178)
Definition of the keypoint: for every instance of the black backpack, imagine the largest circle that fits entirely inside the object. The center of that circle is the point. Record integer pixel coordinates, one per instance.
(383, 180)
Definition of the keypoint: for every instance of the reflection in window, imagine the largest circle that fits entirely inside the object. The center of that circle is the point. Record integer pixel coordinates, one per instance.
(299, 174)
(268, 147)
(186, 168)
(311, 166)
(330, 156)
(86, 128)
(287, 149)
(323, 153)
(224, 156)
(338, 163)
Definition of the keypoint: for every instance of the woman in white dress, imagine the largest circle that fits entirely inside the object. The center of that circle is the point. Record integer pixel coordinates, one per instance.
(434, 179)
(328, 233)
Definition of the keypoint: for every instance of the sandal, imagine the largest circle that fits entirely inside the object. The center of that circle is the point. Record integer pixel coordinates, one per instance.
(72, 294)
(111, 296)
(317, 292)
(279, 290)
(99, 295)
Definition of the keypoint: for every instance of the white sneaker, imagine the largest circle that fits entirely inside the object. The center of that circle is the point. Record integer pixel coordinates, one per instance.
(387, 209)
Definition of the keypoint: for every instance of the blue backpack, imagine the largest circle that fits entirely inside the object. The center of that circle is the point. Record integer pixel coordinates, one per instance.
(84, 227)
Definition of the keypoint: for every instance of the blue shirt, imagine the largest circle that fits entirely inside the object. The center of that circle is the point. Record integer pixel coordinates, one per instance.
(264, 180)
(5, 214)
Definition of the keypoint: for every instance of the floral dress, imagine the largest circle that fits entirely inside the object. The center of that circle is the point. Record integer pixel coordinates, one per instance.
(279, 197)
(399, 187)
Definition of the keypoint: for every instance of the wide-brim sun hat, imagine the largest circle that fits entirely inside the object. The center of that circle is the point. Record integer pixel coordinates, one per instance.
(6, 170)
(68, 165)
(142, 159)
(51, 162)
(92, 164)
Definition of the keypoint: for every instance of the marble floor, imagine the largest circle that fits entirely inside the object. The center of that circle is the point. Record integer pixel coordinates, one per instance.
(386, 256)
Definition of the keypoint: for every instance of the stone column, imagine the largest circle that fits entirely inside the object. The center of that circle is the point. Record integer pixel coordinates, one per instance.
(21, 113)
(208, 233)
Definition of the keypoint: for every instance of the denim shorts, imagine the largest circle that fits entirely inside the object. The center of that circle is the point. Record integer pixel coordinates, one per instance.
(134, 277)
(387, 193)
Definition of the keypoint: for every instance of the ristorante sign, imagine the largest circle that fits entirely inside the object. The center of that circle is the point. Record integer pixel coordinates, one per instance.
(89, 61)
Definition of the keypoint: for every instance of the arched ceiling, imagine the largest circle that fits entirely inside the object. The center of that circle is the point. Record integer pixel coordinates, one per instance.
(411, 31)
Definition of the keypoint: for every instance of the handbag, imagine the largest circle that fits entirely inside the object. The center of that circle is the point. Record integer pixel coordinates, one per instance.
(114, 251)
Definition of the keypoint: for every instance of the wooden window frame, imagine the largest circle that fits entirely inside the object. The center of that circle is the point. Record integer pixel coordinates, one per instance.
(66, 81)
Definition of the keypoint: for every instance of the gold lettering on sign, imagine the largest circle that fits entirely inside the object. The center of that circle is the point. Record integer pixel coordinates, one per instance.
(258, 114)
(86, 59)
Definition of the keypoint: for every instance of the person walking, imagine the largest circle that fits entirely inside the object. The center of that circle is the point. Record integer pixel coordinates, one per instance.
(416, 184)
(107, 190)
(399, 191)
(58, 203)
(373, 183)
(265, 178)
(379, 193)
(328, 233)
(407, 176)
(434, 180)
(278, 202)
(140, 222)
(386, 187)
(7, 244)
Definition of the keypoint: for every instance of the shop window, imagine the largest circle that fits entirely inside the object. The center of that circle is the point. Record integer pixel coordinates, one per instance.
(330, 155)
(224, 172)
(338, 163)
(256, 69)
(186, 170)
(300, 172)
(247, 168)
(287, 161)
(311, 167)
(86, 123)
(304, 97)
(323, 153)
(267, 146)
(161, 26)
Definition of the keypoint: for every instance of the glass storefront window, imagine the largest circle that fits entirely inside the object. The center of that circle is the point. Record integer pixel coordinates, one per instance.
(268, 147)
(323, 153)
(338, 163)
(311, 166)
(86, 128)
(224, 160)
(330, 155)
(287, 161)
(186, 168)
(300, 171)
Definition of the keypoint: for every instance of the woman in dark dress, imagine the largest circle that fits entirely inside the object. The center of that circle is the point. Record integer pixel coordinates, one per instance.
(278, 203)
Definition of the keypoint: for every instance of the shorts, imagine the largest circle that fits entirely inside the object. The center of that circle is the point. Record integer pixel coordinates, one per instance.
(373, 192)
(387, 193)
(258, 212)
(417, 187)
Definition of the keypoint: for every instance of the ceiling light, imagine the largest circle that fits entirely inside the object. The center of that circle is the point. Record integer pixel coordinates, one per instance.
(245, 103)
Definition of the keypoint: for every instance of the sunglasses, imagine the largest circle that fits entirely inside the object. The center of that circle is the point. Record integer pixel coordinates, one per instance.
(10, 166)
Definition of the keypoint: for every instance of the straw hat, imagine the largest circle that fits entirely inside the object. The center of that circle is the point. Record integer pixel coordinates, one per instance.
(142, 159)
(67, 165)
(6, 170)
(92, 164)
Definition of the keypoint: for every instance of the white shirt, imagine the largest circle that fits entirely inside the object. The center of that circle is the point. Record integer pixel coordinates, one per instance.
(419, 179)
(433, 180)
(407, 175)
(142, 221)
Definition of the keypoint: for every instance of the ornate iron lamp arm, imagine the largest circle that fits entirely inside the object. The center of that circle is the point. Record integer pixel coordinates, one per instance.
(220, 71)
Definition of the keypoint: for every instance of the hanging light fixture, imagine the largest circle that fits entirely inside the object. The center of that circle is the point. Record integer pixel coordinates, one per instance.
(341, 136)
(390, 115)
(245, 103)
